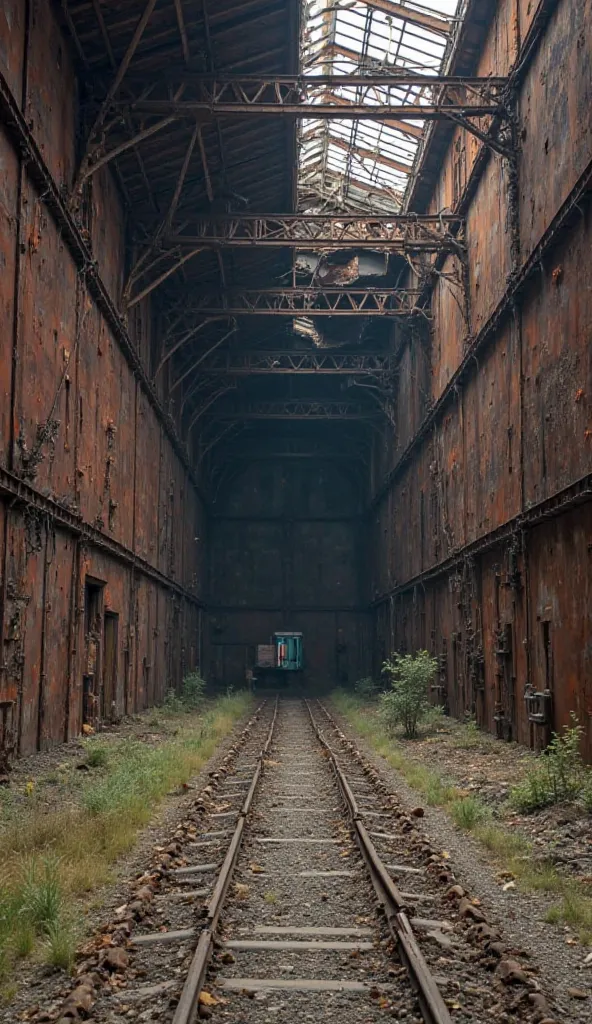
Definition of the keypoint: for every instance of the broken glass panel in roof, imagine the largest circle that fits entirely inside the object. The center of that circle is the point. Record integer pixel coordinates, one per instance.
(362, 164)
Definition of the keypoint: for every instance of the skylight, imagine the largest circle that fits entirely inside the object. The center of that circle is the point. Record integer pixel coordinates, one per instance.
(362, 164)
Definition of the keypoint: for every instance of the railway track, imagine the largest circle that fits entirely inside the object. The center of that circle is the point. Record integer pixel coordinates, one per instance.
(299, 889)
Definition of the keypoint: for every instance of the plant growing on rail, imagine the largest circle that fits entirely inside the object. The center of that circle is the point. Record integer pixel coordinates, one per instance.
(406, 703)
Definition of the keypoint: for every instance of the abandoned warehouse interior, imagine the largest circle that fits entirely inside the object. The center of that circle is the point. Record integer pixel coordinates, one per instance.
(296, 335)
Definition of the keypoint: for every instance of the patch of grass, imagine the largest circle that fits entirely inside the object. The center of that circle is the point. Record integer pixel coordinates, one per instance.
(97, 755)
(504, 845)
(469, 736)
(59, 948)
(24, 938)
(41, 893)
(468, 812)
(270, 897)
(69, 851)
(575, 910)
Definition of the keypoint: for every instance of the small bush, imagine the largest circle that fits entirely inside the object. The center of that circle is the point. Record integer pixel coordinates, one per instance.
(193, 689)
(587, 793)
(42, 894)
(366, 688)
(60, 945)
(96, 756)
(407, 702)
(433, 717)
(557, 776)
(191, 696)
(470, 735)
(468, 812)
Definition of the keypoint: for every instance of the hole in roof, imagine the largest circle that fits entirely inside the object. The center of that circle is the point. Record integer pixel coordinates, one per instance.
(366, 165)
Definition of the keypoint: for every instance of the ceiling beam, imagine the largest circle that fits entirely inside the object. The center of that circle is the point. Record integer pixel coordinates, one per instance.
(261, 362)
(342, 111)
(314, 302)
(392, 233)
(439, 24)
(298, 409)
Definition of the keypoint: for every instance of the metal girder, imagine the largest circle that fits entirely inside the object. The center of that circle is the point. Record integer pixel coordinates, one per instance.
(437, 23)
(402, 233)
(316, 302)
(309, 110)
(84, 169)
(298, 409)
(279, 89)
(261, 362)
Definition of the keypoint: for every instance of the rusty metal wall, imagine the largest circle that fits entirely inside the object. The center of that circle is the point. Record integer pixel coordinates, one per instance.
(499, 485)
(90, 486)
(286, 552)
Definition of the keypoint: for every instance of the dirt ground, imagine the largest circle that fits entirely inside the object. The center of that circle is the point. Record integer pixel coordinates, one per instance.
(488, 768)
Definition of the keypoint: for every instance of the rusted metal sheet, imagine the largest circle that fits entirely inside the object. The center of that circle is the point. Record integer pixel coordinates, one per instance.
(557, 361)
(554, 111)
(56, 637)
(75, 428)
(515, 430)
(488, 243)
(560, 626)
(492, 457)
(9, 205)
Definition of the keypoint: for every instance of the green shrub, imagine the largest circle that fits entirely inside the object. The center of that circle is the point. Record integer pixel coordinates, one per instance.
(193, 689)
(406, 703)
(587, 793)
(557, 776)
(191, 696)
(42, 893)
(366, 688)
(96, 756)
(60, 944)
(468, 812)
(433, 717)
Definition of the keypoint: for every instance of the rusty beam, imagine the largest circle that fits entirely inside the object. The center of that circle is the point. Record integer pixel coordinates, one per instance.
(369, 154)
(182, 30)
(257, 88)
(187, 336)
(111, 93)
(202, 356)
(141, 268)
(179, 262)
(392, 233)
(316, 302)
(314, 111)
(299, 409)
(437, 23)
(290, 361)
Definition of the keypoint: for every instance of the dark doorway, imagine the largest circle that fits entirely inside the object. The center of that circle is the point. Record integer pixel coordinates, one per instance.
(91, 679)
(109, 692)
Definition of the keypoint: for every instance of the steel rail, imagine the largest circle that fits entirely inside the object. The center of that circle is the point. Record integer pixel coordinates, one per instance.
(432, 1005)
(187, 1007)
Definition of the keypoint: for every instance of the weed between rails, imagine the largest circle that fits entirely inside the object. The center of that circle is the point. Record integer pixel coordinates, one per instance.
(510, 850)
(50, 856)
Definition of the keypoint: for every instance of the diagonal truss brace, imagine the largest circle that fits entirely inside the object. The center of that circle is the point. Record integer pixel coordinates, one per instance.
(317, 302)
(394, 233)
(262, 362)
(299, 409)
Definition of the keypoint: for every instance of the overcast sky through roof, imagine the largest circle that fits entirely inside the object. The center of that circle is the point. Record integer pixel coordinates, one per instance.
(364, 164)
